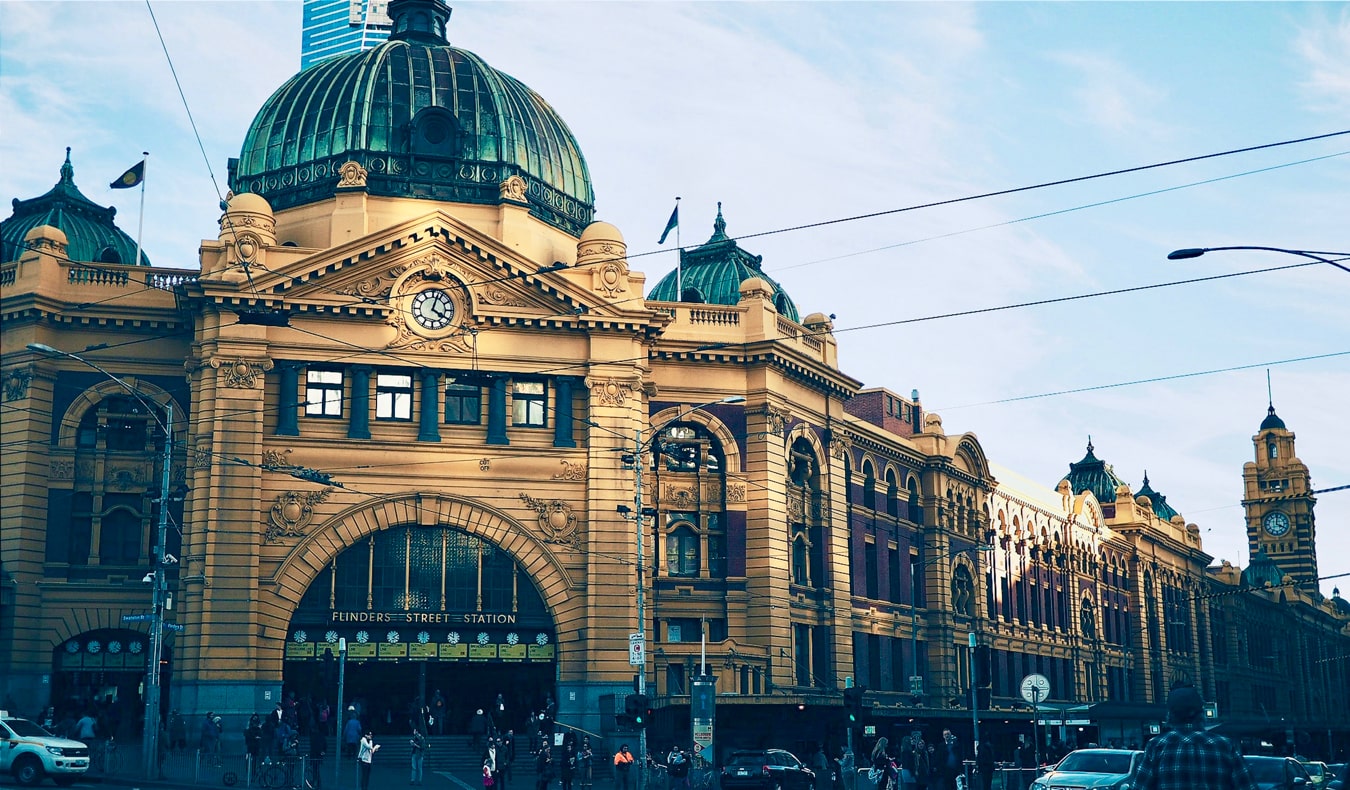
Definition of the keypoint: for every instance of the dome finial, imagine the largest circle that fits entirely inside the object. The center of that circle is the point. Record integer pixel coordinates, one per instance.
(423, 21)
(1089, 447)
(68, 170)
(719, 225)
(1146, 477)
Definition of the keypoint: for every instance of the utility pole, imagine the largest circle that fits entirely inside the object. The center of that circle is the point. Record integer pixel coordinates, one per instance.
(157, 597)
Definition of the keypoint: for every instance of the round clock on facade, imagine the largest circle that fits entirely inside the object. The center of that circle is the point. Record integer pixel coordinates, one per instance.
(1276, 523)
(433, 309)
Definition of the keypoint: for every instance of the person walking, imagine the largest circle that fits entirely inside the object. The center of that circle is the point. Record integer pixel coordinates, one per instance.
(567, 766)
(253, 739)
(1186, 757)
(585, 759)
(882, 773)
(351, 733)
(543, 768)
(438, 711)
(984, 765)
(949, 761)
(478, 728)
(177, 731)
(318, 749)
(677, 768)
(623, 768)
(365, 755)
(417, 746)
(820, 763)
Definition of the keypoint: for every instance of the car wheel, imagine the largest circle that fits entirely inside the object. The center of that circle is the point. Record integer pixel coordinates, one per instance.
(28, 771)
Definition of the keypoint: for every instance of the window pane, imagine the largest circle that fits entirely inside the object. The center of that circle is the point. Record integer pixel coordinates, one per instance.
(463, 404)
(393, 397)
(323, 393)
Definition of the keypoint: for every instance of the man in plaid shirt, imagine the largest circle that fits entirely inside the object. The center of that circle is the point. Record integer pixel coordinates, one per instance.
(1187, 757)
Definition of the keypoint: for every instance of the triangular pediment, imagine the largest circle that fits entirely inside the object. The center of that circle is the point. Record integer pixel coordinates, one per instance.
(379, 274)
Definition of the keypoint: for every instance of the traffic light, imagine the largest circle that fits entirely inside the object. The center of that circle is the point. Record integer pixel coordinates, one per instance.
(636, 708)
(854, 707)
(624, 722)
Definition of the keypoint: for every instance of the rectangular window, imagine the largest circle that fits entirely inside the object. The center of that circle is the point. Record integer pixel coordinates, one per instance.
(393, 396)
(870, 559)
(323, 393)
(893, 574)
(528, 399)
(463, 404)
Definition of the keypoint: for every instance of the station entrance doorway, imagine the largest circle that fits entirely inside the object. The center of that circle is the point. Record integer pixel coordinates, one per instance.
(422, 610)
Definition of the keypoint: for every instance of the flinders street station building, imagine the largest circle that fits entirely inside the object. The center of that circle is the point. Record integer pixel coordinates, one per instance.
(413, 399)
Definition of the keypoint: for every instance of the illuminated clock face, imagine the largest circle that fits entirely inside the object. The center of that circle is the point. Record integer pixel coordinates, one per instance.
(1276, 523)
(433, 309)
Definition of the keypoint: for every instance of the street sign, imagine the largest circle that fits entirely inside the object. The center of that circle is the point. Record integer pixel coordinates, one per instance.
(916, 684)
(1035, 688)
(137, 618)
(637, 654)
(173, 626)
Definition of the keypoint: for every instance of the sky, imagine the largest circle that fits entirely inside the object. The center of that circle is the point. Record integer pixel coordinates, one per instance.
(797, 113)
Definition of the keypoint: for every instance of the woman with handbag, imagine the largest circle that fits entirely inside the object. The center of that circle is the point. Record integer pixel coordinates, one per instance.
(882, 773)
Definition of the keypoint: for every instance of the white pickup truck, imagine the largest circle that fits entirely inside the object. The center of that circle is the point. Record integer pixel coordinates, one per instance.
(31, 754)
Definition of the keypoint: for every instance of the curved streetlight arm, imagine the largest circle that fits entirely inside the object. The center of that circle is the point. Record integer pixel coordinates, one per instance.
(43, 348)
(1316, 255)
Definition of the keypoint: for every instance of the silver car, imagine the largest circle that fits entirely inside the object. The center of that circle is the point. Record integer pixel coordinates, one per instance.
(1099, 769)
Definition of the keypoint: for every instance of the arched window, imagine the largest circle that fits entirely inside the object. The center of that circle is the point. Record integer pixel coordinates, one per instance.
(685, 447)
(119, 540)
(682, 550)
(848, 479)
(963, 591)
(915, 508)
(1088, 619)
(892, 495)
(109, 254)
(801, 573)
(869, 486)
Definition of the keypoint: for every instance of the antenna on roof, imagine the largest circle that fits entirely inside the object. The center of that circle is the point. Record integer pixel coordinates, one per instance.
(1270, 398)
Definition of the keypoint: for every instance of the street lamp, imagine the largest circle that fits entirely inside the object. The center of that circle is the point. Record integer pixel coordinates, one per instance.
(638, 516)
(916, 680)
(1196, 252)
(159, 592)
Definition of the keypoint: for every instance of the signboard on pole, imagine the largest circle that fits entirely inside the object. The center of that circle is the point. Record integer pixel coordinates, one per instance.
(637, 653)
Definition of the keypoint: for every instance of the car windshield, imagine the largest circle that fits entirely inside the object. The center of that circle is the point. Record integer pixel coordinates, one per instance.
(1315, 769)
(26, 729)
(1266, 770)
(756, 760)
(1096, 763)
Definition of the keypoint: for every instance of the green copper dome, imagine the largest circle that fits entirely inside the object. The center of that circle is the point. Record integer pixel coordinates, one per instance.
(92, 235)
(713, 274)
(1091, 474)
(425, 119)
(1262, 571)
(1272, 420)
(1161, 509)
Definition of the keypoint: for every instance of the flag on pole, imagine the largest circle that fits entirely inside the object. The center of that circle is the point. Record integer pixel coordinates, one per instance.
(671, 224)
(132, 178)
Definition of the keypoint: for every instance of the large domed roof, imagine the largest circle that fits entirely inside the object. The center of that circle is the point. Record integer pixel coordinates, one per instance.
(1161, 509)
(92, 236)
(425, 119)
(713, 273)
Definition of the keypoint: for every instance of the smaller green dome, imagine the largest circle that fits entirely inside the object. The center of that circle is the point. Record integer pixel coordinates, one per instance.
(713, 273)
(1161, 509)
(1092, 474)
(92, 235)
(1263, 571)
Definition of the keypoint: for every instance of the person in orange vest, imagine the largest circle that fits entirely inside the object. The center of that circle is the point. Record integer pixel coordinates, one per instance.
(623, 768)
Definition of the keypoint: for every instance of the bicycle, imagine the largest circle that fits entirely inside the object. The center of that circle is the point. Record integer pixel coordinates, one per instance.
(105, 758)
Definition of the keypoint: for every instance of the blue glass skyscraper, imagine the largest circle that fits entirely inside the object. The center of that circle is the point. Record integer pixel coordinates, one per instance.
(332, 27)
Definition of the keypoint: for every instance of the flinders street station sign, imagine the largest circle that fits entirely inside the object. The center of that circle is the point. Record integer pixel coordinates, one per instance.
(427, 636)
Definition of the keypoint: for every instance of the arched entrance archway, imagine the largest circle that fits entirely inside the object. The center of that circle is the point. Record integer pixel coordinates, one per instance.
(102, 672)
(423, 609)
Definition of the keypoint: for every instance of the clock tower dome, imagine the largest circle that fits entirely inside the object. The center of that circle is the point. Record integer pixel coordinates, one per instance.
(1277, 496)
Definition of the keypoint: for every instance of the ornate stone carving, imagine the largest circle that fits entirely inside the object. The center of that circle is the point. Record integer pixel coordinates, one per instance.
(571, 471)
(61, 469)
(241, 373)
(201, 456)
(275, 458)
(352, 174)
(610, 278)
(614, 392)
(735, 492)
(291, 514)
(16, 383)
(556, 519)
(513, 189)
(841, 444)
(494, 294)
(680, 495)
(247, 244)
(776, 419)
(376, 287)
(433, 266)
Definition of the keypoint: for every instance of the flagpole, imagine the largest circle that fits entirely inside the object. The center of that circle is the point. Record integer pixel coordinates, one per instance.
(679, 259)
(140, 220)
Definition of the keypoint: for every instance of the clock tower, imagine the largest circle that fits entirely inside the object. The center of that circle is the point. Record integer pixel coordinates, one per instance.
(1277, 496)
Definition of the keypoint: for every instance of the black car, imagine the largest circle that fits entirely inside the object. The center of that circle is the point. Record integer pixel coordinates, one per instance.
(766, 769)
(1278, 773)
